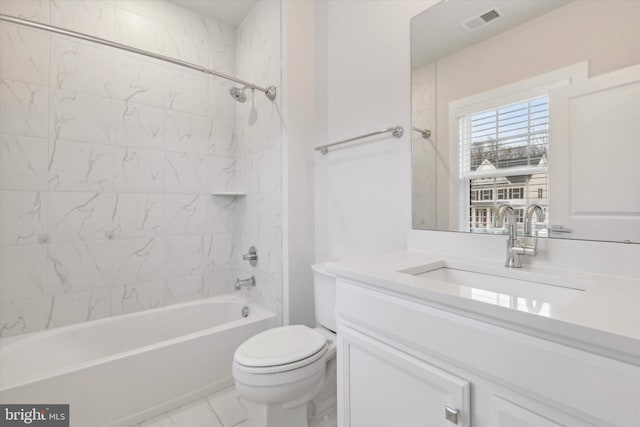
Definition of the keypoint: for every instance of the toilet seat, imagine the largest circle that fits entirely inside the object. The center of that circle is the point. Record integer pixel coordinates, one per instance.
(280, 349)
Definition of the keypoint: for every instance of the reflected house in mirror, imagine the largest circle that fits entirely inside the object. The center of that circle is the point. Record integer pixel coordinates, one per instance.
(525, 107)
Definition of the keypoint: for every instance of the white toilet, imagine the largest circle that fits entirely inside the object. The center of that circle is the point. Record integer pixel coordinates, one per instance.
(287, 375)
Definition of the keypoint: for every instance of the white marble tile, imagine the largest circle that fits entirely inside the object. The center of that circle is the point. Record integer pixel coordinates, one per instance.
(23, 163)
(81, 117)
(189, 255)
(221, 104)
(196, 414)
(224, 214)
(78, 266)
(188, 133)
(77, 166)
(152, 9)
(185, 214)
(138, 31)
(138, 215)
(23, 217)
(139, 260)
(188, 90)
(222, 46)
(228, 407)
(185, 173)
(186, 20)
(22, 272)
(138, 170)
(25, 54)
(222, 176)
(67, 309)
(25, 109)
(225, 250)
(220, 282)
(78, 216)
(143, 126)
(186, 46)
(223, 137)
(138, 297)
(94, 17)
(34, 10)
(187, 288)
(81, 66)
(140, 80)
(23, 316)
(268, 172)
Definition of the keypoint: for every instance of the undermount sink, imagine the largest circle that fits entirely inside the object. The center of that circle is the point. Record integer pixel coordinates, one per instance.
(517, 283)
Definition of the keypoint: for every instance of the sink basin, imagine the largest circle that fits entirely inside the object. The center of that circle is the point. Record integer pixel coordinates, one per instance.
(511, 283)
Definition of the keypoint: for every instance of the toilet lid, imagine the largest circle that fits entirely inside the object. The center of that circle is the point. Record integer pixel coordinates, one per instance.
(280, 346)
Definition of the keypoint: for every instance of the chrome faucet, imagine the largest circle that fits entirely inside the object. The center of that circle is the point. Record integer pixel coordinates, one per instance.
(513, 258)
(515, 247)
(531, 209)
(241, 283)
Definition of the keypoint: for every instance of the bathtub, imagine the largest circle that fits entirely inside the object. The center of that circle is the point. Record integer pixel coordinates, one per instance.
(122, 370)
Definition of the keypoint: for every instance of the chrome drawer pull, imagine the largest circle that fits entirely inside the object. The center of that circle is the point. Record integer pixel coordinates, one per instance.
(451, 414)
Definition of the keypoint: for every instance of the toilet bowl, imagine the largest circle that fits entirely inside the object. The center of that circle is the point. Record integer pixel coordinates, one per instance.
(286, 376)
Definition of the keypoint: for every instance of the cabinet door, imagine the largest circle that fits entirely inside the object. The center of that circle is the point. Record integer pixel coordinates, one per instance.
(383, 387)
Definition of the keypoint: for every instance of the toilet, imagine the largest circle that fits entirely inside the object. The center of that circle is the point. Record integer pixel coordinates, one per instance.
(286, 376)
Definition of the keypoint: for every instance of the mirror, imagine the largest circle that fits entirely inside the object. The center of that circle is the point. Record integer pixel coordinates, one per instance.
(527, 102)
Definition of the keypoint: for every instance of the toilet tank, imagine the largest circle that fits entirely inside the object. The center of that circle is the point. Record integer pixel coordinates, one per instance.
(324, 291)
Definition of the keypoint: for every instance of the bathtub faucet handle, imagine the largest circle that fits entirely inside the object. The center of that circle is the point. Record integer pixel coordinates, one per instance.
(252, 256)
(241, 283)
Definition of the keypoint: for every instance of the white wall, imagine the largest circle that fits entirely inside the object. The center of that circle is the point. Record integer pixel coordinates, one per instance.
(299, 78)
(363, 191)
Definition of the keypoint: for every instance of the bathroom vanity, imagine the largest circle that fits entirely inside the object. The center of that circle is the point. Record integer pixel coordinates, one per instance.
(432, 340)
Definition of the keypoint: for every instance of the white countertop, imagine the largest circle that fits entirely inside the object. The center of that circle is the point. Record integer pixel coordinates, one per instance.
(603, 318)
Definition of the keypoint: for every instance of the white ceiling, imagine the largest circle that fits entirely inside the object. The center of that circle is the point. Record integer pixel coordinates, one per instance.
(230, 12)
(438, 31)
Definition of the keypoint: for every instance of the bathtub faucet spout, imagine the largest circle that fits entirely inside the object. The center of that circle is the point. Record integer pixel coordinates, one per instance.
(241, 283)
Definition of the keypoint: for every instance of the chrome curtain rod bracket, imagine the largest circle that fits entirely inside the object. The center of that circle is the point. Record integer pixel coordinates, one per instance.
(426, 133)
(270, 91)
(396, 131)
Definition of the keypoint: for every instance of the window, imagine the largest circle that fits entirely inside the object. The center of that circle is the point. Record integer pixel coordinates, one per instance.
(486, 195)
(503, 157)
(516, 193)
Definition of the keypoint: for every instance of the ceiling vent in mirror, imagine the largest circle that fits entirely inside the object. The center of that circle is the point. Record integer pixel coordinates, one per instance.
(479, 21)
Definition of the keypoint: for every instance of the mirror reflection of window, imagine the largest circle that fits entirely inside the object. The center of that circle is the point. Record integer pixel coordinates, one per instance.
(503, 159)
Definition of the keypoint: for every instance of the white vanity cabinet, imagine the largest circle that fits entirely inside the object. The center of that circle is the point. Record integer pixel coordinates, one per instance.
(387, 387)
(403, 362)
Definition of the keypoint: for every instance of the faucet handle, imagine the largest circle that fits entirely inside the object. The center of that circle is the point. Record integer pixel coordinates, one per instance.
(251, 256)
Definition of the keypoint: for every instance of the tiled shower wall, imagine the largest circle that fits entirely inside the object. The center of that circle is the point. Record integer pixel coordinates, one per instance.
(108, 161)
(259, 134)
(423, 150)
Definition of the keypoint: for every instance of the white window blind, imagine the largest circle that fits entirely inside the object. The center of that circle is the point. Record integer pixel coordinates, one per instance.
(503, 159)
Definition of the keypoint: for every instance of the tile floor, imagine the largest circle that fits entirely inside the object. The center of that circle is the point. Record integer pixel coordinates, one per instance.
(222, 409)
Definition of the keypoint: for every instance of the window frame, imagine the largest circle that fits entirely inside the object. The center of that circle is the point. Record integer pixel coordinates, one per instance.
(520, 91)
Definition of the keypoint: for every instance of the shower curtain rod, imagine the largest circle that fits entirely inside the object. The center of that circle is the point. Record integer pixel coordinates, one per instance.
(270, 91)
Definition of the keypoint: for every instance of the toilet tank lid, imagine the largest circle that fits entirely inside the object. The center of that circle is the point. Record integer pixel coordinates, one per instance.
(280, 346)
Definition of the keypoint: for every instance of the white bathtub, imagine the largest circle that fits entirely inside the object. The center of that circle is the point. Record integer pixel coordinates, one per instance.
(122, 370)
